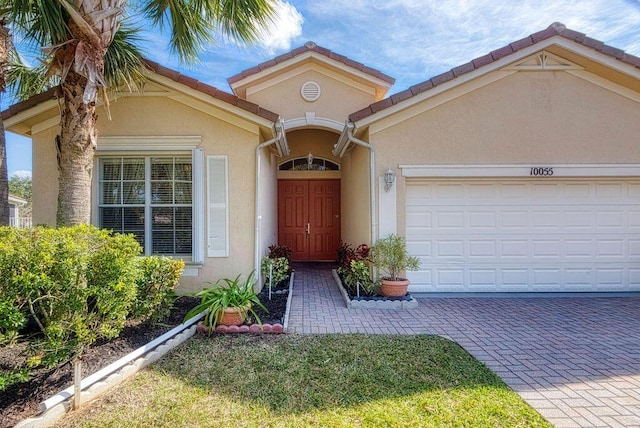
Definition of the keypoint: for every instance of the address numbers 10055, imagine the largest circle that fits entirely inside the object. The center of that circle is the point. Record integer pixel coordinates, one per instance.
(541, 171)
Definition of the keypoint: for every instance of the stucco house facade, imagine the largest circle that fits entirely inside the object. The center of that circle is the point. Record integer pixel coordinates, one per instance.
(516, 172)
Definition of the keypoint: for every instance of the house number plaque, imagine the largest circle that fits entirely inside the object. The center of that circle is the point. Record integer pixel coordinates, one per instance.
(541, 171)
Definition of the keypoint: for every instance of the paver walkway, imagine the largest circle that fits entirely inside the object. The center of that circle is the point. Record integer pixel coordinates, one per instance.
(576, 360)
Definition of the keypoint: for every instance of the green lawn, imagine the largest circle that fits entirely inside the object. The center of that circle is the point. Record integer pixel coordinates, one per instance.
(322, 381)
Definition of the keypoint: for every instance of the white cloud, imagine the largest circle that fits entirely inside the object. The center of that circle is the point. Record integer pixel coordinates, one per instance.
(21, 173)
(416, 39)
(285, 27)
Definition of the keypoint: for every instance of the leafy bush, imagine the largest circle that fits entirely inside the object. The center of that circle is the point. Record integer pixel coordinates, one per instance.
(346, 253)
(14, 376)
(353, 268)
(11, 321)
(277, 251)
(357, 279)
(76, 284)
(156, 284)
(275, 269)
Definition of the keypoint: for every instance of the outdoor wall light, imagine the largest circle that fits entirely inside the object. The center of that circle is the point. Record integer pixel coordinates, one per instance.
(389, 178)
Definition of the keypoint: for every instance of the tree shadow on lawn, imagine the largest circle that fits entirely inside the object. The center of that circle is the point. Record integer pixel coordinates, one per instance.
(296, 374)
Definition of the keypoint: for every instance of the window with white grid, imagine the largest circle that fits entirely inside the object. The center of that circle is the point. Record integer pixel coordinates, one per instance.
(150, 197)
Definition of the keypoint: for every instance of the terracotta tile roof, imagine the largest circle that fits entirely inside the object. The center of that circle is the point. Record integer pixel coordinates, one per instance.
(555, 29)
(311, 47)
(166, 72)
(28, 103)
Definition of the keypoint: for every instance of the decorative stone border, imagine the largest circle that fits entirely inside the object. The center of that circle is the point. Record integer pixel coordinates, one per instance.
(52, 409)
(237, 329)
(255, 328)
(372, 304)
(104, 380)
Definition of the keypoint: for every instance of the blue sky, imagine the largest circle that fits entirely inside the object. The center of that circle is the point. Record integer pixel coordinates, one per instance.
(410, 40)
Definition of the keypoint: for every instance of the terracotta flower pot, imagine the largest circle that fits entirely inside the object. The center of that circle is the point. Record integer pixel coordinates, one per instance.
(392, 288)
(231, 316)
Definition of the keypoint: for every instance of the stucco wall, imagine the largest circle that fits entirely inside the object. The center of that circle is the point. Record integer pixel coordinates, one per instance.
(356, 208)
(549, 117)
(140, 116)
(336, 102)
(45, 177)
(315, 141)
(527, 118)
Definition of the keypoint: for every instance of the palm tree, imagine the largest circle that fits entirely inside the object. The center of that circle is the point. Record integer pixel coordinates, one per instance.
(79, 34)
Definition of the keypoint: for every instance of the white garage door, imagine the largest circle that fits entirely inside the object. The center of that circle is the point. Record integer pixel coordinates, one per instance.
(524, 235)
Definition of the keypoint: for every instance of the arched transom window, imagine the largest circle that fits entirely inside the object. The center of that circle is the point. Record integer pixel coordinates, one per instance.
(308, 163)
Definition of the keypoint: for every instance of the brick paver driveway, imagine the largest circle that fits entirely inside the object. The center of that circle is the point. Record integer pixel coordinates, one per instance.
(574, 359)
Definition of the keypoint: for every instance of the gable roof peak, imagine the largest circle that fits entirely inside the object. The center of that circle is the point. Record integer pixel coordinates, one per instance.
(559, 27)
(309, 46)
(555, 29)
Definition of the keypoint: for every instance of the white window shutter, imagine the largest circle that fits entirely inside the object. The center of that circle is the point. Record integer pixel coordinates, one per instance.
(217, 207)
(198, 206)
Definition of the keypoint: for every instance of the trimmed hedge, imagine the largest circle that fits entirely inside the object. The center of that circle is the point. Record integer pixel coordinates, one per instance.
(156, 284)
(76, 285)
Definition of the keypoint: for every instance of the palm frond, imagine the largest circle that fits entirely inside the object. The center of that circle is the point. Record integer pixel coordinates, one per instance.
(24, 81)
(192, 23)
(123, 64)
(190, 29)
(42, 21)
(240, 20)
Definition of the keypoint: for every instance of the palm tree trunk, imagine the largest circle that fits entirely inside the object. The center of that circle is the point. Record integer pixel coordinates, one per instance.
(5, 47)
(76, 147)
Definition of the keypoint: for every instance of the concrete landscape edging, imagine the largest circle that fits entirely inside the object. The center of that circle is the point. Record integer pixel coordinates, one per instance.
(106, 379)
(371, 304)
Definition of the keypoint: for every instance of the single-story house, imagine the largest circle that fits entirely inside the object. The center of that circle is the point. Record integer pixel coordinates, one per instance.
(518, 171)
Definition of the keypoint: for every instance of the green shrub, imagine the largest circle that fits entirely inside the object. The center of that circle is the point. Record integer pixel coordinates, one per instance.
(275, 269)
(357, 278)
(156, 284)
(77, 284)
(15, 376)
(11, 321)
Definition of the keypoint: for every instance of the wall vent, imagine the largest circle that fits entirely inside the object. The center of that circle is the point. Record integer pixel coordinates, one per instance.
(310, 91)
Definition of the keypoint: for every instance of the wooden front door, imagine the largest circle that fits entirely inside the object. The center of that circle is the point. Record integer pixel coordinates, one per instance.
(309, 218)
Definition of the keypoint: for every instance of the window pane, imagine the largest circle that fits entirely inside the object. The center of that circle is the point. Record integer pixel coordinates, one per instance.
(183, 169)
(183, 242)
(162, 193)
(162, 242)
(133, 219)
(133, 193)
(133, 169)
(111, 218)
(162, 218)
(183, 193)
(162, 168)
(111, 169)
(183, 218)
(110, 193)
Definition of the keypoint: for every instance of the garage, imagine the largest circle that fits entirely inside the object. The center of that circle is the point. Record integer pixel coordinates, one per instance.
(534, 234)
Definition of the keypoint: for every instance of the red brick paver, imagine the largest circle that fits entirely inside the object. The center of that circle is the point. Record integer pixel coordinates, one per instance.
(576, 360)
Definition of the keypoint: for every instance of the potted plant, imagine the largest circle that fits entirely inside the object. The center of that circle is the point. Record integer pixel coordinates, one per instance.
(227, 302)
(390, 255)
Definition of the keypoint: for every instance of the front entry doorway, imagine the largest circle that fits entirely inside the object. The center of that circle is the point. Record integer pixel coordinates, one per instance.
(309, 218)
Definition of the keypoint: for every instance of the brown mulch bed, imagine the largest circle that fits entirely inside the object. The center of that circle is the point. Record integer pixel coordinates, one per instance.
(21, 401)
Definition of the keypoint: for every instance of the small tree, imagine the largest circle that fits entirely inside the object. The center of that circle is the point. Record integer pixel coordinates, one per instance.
(390, 255)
